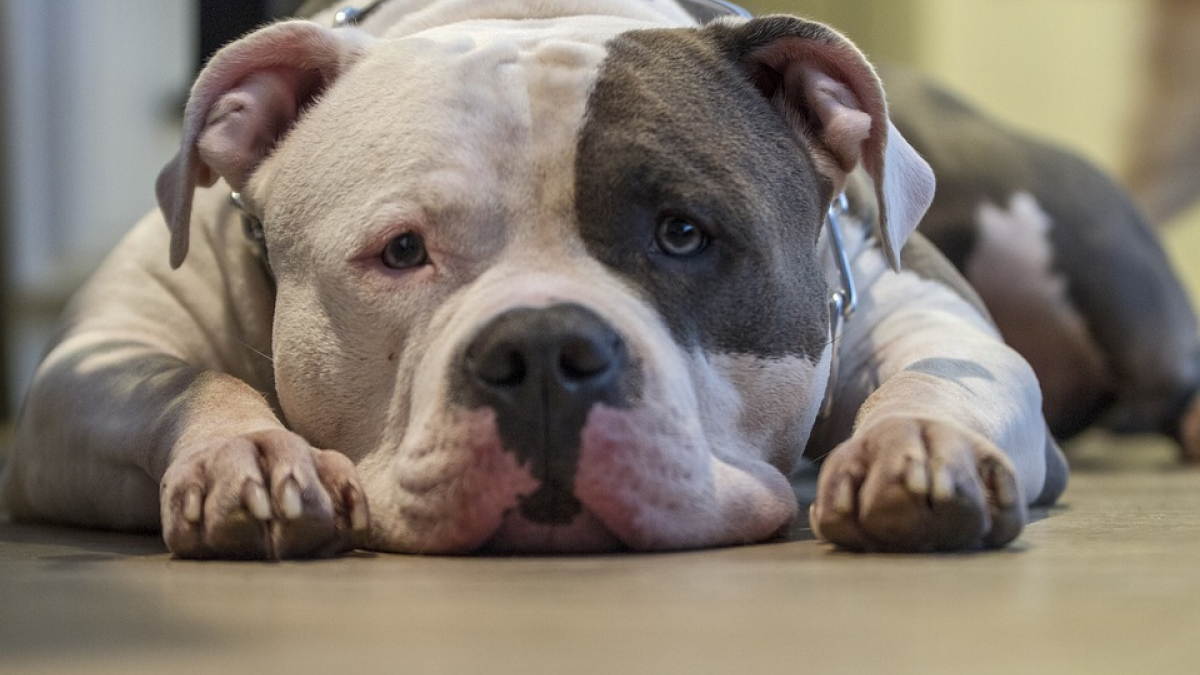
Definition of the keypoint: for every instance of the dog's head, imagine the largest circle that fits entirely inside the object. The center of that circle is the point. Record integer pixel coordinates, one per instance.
(552, 285)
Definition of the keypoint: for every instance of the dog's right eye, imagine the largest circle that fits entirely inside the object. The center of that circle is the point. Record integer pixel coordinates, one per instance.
(405, 251)
(679, 237)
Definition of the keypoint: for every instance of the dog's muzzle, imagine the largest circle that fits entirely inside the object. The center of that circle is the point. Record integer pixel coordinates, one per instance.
(542, 371)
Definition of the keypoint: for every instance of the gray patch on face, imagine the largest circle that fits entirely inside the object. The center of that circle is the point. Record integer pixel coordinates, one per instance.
(676, 129)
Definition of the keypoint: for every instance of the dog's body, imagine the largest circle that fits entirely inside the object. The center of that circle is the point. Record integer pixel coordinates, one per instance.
(549, 277)
(1073, 275)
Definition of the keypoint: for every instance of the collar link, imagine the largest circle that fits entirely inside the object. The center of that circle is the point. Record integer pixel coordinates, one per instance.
(252, 227)
(701, 10)
(844, 300)
(352, 16)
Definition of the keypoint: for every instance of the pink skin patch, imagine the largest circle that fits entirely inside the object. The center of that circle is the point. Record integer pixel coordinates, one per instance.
(638, 490)
(646, 482)
(655, 485)
(455, 496)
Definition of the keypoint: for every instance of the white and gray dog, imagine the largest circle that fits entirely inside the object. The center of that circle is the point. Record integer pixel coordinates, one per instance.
(534, 277)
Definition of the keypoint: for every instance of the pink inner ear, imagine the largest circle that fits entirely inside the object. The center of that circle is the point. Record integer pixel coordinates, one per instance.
(246, 122)
(845, 126)
(246, 98)
(829, 83)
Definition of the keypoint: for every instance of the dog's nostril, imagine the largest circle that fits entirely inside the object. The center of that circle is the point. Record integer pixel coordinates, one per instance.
(501, 367)
(560, 351)
(582, 359)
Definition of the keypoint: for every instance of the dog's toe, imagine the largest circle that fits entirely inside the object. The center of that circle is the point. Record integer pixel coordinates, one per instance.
(263, 495)
(834, 515)
(1006, 504)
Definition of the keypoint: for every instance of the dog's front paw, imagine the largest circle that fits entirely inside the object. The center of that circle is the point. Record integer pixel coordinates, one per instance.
(907, 484)
(262, 495)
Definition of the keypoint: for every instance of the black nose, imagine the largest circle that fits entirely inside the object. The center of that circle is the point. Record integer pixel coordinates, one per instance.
(542, 370)
(563, 352)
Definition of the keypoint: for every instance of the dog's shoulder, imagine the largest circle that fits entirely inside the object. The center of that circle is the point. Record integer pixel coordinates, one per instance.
(920, 256)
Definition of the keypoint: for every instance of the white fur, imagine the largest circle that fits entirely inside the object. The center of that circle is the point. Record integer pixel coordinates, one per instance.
(505, 216)
(980, 383)
(1013, 267)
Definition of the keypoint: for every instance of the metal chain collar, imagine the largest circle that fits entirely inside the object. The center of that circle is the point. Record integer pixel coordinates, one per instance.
(701, 10)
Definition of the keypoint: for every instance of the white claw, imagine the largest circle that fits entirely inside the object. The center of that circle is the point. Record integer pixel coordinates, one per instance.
(943, 485)
(289, 500)
(843, 498)
(192, 505)
(812, 521)
(257, 501)
(1005, 490)
(917, 479)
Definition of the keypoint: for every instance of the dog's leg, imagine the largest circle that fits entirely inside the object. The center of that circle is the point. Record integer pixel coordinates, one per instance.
(949, 449)
(154, 387)
(262, 493)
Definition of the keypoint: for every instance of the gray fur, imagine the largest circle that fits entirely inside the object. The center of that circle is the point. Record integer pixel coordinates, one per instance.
(657, 143)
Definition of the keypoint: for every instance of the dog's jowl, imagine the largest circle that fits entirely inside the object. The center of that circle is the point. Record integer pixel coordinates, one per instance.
(546, 283)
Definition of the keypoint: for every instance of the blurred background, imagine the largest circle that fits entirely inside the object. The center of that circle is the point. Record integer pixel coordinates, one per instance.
(91, 93)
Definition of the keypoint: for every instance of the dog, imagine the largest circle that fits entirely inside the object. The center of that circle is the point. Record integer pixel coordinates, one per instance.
(1067, 265)
(534, 277)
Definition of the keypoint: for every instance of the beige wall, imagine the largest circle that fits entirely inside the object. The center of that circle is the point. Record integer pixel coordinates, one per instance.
(1064, 68)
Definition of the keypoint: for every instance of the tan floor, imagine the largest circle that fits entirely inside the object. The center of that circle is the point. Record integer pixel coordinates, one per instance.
(1107, 583)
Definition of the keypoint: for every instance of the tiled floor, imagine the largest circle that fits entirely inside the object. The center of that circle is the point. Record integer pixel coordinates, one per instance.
(1109, 582)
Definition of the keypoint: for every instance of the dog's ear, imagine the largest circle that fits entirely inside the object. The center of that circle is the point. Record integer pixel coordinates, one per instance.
(248, 96)
(828, 92)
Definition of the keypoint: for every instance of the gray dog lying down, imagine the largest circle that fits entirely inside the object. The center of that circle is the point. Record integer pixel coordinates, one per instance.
(542, 277)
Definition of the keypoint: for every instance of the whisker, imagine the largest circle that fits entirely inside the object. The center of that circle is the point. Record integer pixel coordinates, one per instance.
(267, 357)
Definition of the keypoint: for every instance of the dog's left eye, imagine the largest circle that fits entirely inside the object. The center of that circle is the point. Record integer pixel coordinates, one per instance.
(678, 237)
(406, 250)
